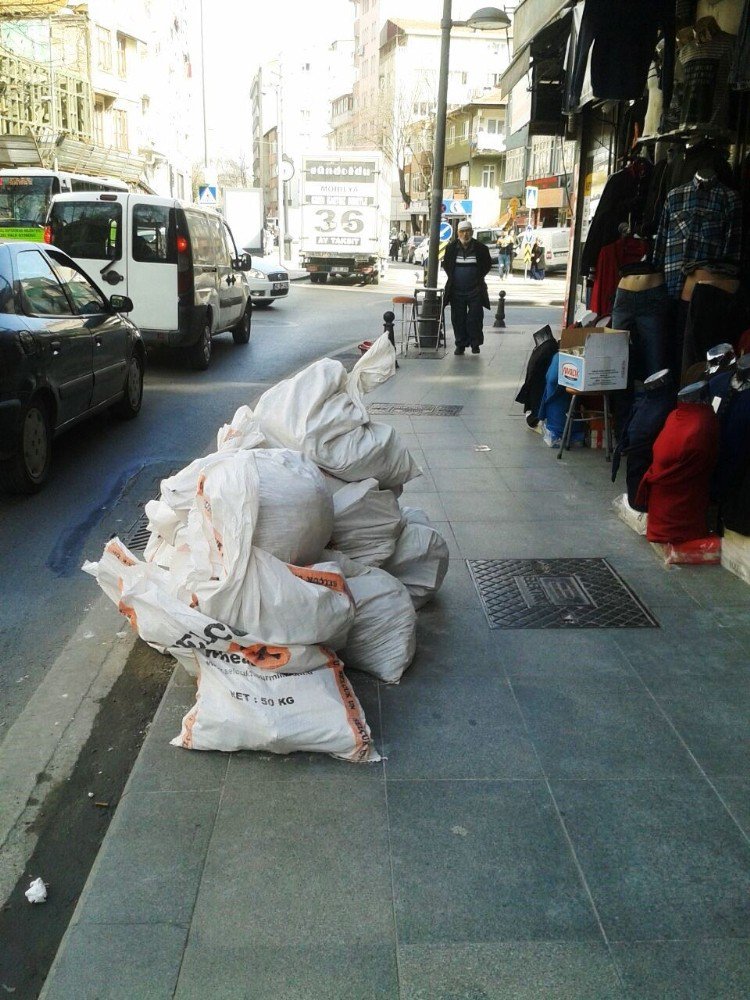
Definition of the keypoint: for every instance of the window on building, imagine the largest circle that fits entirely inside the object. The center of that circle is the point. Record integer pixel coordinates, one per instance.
(99, 123)
(145, 105)
(495, 126)
(451, 134)
(541, 156)
(122, 56)
(120, 123)
(104, 49)
(465, 130)
(514, 164)
(488, 175)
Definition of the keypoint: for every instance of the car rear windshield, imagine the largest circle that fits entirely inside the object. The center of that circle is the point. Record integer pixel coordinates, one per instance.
(91, 230)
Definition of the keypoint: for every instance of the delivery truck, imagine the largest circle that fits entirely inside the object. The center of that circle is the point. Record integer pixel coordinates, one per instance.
(345, 202)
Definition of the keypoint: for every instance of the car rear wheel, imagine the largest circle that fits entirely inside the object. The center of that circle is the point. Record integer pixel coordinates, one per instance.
(241, 332)
(199, 355)
(130, 404)
(28, 469)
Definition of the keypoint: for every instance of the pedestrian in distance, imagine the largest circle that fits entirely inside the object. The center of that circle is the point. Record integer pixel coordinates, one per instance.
(395, 244)
(537, 260)
(467, 262)
(506, 246)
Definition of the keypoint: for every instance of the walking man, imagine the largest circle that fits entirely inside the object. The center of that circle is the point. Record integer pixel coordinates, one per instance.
(466, 263)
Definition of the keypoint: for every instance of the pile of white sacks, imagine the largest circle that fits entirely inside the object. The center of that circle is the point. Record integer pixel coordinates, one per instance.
(281, 550)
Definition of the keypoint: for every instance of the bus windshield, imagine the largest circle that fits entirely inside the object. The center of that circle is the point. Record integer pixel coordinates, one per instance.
(25, 200)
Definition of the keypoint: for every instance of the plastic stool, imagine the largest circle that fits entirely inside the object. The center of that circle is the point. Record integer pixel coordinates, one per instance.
(408, 321)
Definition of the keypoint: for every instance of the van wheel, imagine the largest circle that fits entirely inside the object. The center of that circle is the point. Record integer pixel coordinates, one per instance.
(27, 471)
(199, 355)
(130, 404)
(241, 332)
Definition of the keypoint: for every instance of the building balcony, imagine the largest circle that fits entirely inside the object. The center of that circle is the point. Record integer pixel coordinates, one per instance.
(488, 142)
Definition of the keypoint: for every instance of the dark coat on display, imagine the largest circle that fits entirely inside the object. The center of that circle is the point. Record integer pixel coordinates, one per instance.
(623, 200)
(484, 266)
(642, 426)
(675, 489)
(532, 390)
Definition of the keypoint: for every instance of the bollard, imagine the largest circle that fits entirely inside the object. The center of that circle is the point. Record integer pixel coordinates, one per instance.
(389, 319)
(500, 314)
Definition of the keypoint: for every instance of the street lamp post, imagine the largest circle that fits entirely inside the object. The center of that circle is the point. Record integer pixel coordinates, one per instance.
(484, 19)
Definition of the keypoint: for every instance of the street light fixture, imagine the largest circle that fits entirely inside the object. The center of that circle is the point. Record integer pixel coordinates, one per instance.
(484, 19)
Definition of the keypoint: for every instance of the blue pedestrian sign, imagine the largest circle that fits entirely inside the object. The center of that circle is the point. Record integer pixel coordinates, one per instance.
(207, 194)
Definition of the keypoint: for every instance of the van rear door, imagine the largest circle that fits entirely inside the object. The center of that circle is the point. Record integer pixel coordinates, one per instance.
(90, 229)
(152, 264)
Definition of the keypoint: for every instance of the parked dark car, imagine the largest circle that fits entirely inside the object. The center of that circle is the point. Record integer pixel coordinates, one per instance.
(407, 250)
(66, 353)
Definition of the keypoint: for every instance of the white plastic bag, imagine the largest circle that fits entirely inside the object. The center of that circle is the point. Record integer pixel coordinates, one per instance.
(294, 516)
(366, 522)
(420, 560)
(318, 413)
(251, 695)
(375, 367)
(243, 432)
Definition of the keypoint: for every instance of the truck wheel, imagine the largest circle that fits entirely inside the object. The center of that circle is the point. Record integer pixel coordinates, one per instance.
(199, 355)
(241, 332)
(322, 279)
(27, 470)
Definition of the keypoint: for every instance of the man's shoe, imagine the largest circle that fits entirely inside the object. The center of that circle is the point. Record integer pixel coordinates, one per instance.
(459, 350)
(475, 350)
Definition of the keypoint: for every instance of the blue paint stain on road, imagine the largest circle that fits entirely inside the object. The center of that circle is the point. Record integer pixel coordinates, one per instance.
(65, 558)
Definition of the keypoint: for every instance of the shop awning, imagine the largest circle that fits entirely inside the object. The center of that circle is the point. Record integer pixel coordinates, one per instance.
(517, 70)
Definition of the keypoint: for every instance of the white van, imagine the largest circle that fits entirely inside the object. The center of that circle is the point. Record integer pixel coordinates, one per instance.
(556, 243)
(177, 262)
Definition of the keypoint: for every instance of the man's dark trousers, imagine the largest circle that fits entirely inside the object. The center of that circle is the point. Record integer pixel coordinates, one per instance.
(467, 318)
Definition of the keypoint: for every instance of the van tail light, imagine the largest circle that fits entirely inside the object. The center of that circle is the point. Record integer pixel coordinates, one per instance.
(184, 263)
(182, 244)
(48, 234)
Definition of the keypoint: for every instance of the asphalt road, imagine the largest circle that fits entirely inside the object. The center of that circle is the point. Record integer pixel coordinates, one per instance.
(104, 468)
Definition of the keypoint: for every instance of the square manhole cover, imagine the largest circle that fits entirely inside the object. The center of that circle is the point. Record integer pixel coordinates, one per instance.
(416, 409)
(556, 593)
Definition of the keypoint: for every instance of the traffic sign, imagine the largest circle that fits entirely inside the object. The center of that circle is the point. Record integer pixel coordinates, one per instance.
(207, 194)
(446, 231)
(532, 197)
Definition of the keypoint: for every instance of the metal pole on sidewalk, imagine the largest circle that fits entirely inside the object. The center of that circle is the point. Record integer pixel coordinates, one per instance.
(279, 179)
(500, 314)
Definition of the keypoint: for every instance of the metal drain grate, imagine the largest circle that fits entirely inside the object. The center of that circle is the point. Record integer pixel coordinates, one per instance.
(556, 593)
(416, 409)
(138, 536)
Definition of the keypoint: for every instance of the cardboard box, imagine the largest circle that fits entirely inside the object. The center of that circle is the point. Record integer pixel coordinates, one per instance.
(600, 361)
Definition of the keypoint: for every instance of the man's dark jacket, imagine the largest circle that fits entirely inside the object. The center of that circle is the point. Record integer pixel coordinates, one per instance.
(484, 266)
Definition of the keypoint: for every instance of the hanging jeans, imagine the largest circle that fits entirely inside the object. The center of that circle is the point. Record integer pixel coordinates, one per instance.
(644, 314)
(467, 316)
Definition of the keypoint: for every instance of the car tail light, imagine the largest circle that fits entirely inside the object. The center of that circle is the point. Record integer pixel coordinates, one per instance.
(48, 234)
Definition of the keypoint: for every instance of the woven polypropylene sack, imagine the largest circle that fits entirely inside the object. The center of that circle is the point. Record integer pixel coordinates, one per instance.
(420, 560)
(367, 522)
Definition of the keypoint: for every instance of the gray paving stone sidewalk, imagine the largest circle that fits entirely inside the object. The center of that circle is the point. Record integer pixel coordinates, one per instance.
(561, 814)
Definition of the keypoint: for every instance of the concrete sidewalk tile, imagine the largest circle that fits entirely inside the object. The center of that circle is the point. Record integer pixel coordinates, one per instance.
(522, 970)
(301, 862)
(663, 859)
(663, 587)
(716, 587)
(470, 480)
(361, 969)
(483, 861)
(711, 715)
(556, 479)
(553, 653)
(505, 537)
(736, 794)
(457, 457)
(422, 483)
(491, 508)
(430, 503)
(460, 726)
(151, 863)
(685, 970)
(588, 726)
(117, 963)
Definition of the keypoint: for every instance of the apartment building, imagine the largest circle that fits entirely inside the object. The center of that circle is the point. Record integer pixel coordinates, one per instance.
(475, 156)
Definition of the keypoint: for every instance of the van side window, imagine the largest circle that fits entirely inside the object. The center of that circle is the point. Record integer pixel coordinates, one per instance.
(221, 253)
(200, 238)
(91, 230)
(153, 234)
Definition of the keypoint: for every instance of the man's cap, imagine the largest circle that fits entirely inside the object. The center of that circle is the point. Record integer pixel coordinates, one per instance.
(464, 225)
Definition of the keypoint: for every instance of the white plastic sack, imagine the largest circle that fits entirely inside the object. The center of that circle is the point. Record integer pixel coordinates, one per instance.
(243, 432)
(366, 522)
(635, 519)
(421, 558)
(250, 695)
(383, 639)
(318, 413)
(235, 582)
(295, 513)
(375, 367)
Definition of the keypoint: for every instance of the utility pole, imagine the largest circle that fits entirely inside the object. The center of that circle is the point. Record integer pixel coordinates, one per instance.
(279, 180)
(203, 93)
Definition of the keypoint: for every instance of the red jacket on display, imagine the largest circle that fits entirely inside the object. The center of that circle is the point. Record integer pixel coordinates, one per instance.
(675, 490)
(611, 259)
